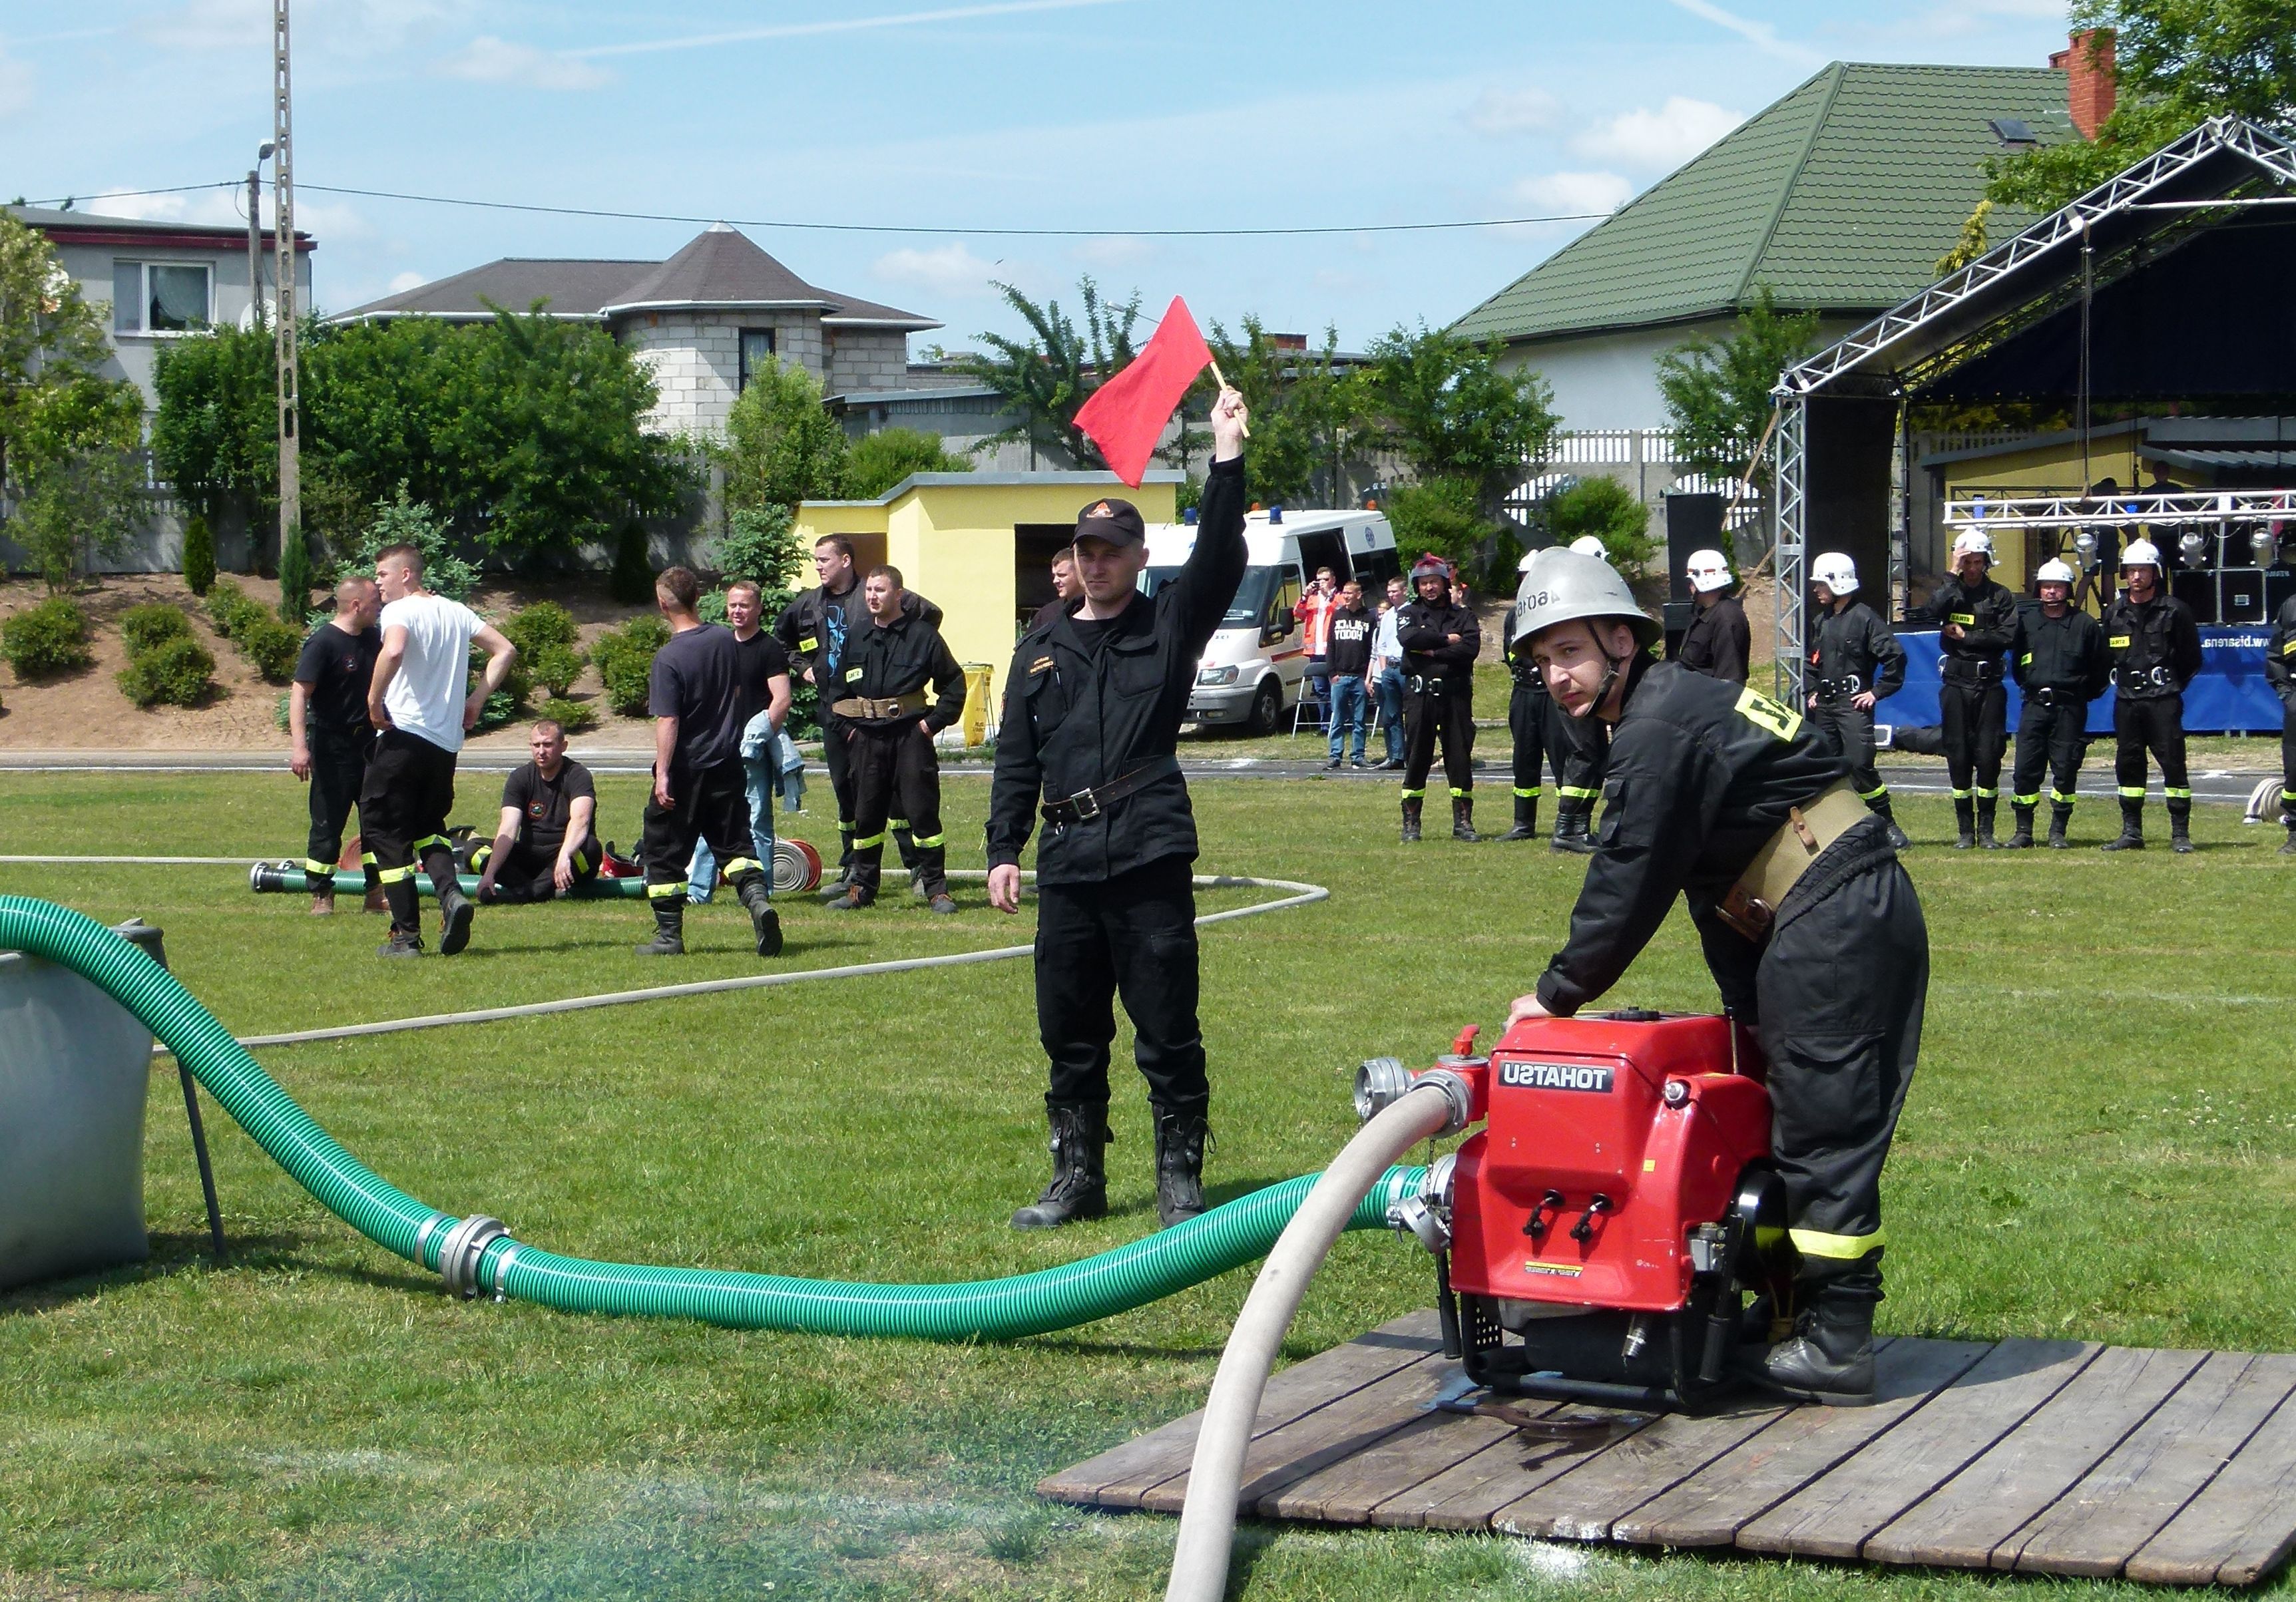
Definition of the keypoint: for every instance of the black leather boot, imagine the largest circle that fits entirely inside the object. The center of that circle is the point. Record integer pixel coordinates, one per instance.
(1830, 1356)
(1571, 833)
(1965, 817)
(1080, 1185)
(1880, 809)
(765, 923)
(668, 928)
(2132, 828)
(1412, 808)
(2060, 817)
(2180, 829)
(2288, 845)
(1526, 820)
(1462, 819)
(1180, 1141)
(1986, 807)
(2021, 838)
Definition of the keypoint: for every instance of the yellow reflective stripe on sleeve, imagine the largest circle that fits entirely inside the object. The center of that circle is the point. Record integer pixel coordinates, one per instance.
(659, 891)
(741, 864)
(930, 840)
(391, 876)
(861, 843)
(1841, 1248)
(1875, 794)
(1765, 714)
(366, 859)
(1577, 794)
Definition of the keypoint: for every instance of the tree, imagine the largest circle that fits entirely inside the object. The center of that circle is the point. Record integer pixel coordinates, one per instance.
(1717, 391)
(780, 446)
(403, 520)
(1046, 378)
(1451, 411)
(875, 462)
(1610, 512)
(65, 431)
(1306, 418)
(2180, 62)
(295, 577)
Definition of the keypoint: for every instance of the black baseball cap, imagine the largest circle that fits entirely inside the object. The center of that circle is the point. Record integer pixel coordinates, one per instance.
(1116, 521)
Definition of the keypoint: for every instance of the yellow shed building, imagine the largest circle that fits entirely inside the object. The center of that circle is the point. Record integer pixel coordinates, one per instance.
(979, 545)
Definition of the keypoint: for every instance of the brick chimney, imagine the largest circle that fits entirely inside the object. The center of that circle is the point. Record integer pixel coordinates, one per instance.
(2087, 64)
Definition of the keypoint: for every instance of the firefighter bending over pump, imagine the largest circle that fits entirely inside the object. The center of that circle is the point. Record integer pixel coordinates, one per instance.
(1811, 928)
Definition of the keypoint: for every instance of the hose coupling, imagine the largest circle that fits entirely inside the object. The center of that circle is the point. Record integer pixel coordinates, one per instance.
(270, 878)
(1426, 1213)
(459, 1254)
(1381, 1083)
(1457, 1091)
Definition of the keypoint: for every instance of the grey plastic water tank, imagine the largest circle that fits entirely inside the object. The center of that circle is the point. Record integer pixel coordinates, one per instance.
(75, 1072)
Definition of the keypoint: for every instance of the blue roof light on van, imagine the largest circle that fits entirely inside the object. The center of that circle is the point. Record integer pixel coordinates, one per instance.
(1275, 514)
(1189, 517)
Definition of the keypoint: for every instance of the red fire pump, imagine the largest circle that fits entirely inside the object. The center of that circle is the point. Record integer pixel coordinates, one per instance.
(1596, 1239)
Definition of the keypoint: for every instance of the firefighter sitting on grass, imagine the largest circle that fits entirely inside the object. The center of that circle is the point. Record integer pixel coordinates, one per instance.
(1720, 795)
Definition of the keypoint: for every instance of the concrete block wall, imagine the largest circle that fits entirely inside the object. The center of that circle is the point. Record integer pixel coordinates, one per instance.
(696, 358)
(867, 359)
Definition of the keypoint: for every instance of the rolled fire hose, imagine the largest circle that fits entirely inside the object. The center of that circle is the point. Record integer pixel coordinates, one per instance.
(1361, 1173)
(475, 1254)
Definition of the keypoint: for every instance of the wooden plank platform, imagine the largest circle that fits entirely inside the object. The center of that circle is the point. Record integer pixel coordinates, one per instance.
(2041, 1457)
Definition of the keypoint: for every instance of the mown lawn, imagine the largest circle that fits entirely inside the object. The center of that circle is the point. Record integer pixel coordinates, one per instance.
(2100, 1144)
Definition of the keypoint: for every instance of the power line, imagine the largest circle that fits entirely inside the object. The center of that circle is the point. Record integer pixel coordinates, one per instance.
(903, 228)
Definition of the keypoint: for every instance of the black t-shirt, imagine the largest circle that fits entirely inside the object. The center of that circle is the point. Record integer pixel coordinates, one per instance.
(546, 806)
(762, 658)
(1092, 630)
(1351, 637)
(697, 680)
(337, 667)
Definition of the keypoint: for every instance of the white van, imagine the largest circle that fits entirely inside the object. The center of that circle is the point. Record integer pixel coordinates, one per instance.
(1252, 670)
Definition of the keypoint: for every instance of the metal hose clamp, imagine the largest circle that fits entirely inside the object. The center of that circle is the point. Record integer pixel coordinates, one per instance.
(459, 1254)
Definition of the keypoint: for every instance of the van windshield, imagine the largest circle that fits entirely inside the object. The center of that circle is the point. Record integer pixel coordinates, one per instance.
(1247, 611)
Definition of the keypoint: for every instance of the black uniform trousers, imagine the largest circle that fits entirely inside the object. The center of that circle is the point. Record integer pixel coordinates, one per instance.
(1133, 935)
(895, 775)
(837, 756)
(712, 804)
(1541, 730)
(2051, 737)
(528, 875)
(1976, 726)
(1448, 715)
(1840, 990)
(2288, 759)
(1850, 728)
(338, 760)
(2153, 722)
(403, 806)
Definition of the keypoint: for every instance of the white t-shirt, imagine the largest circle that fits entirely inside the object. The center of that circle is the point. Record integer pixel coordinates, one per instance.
(426, 697)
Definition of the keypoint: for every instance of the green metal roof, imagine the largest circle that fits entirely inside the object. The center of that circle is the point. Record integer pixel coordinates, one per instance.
(1842, 197)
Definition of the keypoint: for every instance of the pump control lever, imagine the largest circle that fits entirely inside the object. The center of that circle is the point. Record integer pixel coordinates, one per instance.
(1584, 1229)
(1535, 1226)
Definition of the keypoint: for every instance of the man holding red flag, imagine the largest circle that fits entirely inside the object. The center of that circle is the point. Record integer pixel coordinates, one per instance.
(1093, 705)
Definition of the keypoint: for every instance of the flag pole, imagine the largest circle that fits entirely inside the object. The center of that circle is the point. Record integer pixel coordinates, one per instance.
(1220, 379)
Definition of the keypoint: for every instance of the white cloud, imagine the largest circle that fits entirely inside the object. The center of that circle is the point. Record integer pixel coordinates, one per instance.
(15, 88)
(1575, 194)
(1665, 138)
(404, 282)
(1113, 250)
(1759, 35)
(1499, 112)
(794, 30)
(950, 269)
(487, 60)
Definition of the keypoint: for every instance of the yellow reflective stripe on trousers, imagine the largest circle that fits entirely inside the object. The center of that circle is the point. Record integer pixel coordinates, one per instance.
(1875, 794)
(313, 865)
(860, 844)
(656, 892)
(2032, 800)
(391, 876)
(1413, 794)
(741, 864)
(1840, 1248)
(2132, 792)
(439, 840)
(928, 842)
(900, 823)
(2177, 795)
(2062, 798)
(1457, 794)
(1961, 795)
(1532, 794)
(1987, 795)
(1577, 793)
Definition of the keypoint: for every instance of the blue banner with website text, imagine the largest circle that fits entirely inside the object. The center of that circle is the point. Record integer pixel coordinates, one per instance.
(2229, 696)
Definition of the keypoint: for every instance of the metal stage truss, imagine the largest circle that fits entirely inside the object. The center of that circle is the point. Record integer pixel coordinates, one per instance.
(2207, 506)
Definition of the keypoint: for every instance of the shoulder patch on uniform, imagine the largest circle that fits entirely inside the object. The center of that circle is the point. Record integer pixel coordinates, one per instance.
(2117, 642)
(852, 673)
(1965, 619)
(1772, 716)
(810, 642)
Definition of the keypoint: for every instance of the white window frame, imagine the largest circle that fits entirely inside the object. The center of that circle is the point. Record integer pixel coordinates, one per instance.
(144, 265)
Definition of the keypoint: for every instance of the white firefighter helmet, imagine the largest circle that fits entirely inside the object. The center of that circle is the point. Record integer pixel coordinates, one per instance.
(1528, 557)
(1707, 571)
(2056, 570)
(1973, 540)
(1836, 572)
(2140, 553)
(1563, 586)
(1588, 545)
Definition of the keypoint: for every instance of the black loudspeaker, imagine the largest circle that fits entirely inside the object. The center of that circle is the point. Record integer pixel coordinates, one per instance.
(2279, 587)
(2240, 595)
(2196, 590)
(1693, 522)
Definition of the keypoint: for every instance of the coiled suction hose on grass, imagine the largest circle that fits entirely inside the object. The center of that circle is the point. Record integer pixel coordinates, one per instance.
(1053, 1298)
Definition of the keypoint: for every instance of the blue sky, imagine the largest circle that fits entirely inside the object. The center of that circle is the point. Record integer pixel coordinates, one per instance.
(938, 115)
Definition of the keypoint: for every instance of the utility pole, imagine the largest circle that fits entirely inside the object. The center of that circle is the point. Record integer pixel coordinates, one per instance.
(255, 237)
(283, 226)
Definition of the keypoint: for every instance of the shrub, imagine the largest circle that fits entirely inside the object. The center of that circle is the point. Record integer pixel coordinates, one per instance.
(761, 545)
(410, 522)
(501, 707)
(199, 555)
(49, 638)
(878, 461)
(544, 635)
(625, 661)
(141, 628)
(1610, 512)
(554, 667)
(1437, 514)
(232, 608)
(517, 684)
(631, 581)
(544, 622)
(576, 717)
(270, 646)
(295, 577)
(177, 672)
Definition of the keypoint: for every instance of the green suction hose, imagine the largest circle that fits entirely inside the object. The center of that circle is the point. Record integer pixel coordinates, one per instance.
(290, 879)
(484, 1259)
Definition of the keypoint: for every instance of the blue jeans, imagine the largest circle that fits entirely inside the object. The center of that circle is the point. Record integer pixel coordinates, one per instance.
(1349, 696)
(760, 773)
(1391, 710)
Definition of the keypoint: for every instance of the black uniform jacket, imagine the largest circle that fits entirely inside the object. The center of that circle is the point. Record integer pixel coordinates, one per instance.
(2065, 654)
(2280, 655)
(2158, 633)
(898, 660)
(801, 632)
(1424, 630)
(1076, 718)
(1988, 616)
(1718, 642)
(1702, 774)
(1855, 642)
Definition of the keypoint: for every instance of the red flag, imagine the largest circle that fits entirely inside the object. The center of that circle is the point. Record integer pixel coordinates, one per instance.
(1125, 416)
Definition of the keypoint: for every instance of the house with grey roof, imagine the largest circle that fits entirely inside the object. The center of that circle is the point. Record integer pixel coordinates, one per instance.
(703, 320)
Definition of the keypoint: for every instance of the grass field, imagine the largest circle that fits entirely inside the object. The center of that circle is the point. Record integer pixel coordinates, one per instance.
(2100, 1144)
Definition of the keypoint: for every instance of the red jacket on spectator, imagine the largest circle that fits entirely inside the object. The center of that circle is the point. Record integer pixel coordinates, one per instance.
(1316, 609)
